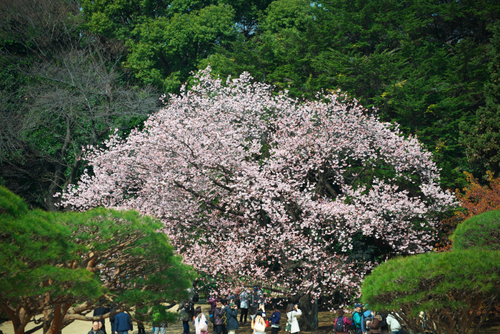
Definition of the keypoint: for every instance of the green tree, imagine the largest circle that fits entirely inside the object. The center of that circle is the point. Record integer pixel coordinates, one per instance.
(422, 63)
(167, 39)
(62, 89)
(450, 288)
(481, 137)
(478, 232)
(59, 266)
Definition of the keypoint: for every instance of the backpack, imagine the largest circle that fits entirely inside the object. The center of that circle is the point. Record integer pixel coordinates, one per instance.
(383, 323)
(223, 317)
(339, 324)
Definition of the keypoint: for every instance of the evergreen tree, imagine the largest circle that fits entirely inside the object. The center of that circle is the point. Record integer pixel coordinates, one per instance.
(59, 266)
(482, 136)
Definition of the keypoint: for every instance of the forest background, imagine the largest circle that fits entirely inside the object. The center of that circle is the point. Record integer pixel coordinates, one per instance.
(72, 71)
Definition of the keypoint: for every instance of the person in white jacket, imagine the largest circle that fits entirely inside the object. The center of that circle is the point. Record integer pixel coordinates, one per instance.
(200, 321)
(292, 312)
(393, 324)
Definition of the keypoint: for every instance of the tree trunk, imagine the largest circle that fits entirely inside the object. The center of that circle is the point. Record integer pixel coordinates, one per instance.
(308, 321)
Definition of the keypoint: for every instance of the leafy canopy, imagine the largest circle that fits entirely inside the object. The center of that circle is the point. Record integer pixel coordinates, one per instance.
(68, 262)
(478, 232)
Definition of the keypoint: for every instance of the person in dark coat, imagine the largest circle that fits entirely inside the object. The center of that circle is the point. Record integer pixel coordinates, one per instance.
(232, 318)
(185, 314)
(101, 311)
(112, 308)
(123, 323)
(218, 318)
(213, 304)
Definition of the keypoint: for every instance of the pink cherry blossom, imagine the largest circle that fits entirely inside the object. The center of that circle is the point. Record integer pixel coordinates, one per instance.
(254, 186)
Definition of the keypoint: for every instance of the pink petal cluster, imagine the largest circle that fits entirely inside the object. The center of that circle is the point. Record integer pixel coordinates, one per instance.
(254, 186)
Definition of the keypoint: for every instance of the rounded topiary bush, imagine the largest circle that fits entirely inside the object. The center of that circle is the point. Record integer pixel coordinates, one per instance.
(449, 287)
(481, 231)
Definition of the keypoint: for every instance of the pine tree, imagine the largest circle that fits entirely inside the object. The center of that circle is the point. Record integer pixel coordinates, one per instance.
(482, 138)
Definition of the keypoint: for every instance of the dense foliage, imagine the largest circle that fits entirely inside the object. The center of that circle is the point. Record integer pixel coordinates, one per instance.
(481, 232)
(60, 266)
(450, 288)
(423, 63)
(482, 135)
(61, 89)
(167, 39)
(474, 199)
(428, 65)
(254, 186)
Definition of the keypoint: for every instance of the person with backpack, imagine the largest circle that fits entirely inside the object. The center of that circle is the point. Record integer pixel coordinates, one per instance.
(342, 323)
(367, 315)
(357, 318)
(383, 325)
(185, 315)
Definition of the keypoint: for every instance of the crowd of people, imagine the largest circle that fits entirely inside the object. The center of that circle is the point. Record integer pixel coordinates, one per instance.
(364, 321)
(250, 304)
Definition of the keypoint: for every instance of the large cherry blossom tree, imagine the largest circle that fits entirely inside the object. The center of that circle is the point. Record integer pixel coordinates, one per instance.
(255, 186)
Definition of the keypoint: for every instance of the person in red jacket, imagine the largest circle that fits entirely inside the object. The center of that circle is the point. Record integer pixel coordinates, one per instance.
(341, 323)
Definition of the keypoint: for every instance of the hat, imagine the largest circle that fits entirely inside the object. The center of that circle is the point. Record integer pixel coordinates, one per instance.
(357, 305)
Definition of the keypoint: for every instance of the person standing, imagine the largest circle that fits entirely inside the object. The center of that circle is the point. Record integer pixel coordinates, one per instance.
(341, 323)
(394, 324)
(232, 318)
(185, 315)
(357, 318)
(258, 323)
(200, 321)
(101, 311)
(123, 323)
(112, 310)
(383, 325)
(275, 320)
(95, 328)
(218, 317)
(159, 312)
(213, 304)
(244, 305)
(374, 324)
(367, 316)
(259, 295)
(292, 312)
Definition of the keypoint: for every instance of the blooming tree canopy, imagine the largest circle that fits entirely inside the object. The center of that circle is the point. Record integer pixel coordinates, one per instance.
(253, 185)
